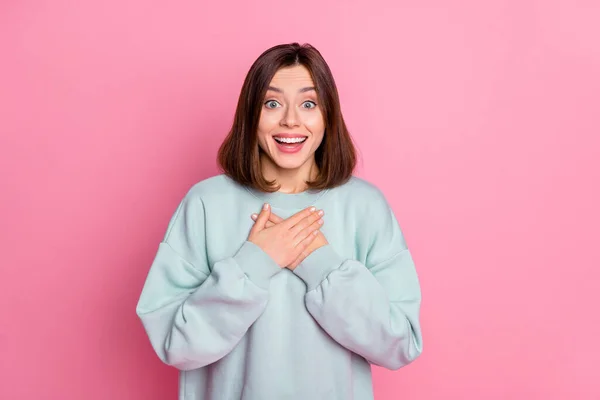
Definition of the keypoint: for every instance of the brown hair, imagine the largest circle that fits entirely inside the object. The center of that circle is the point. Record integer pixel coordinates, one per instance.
(239, 154)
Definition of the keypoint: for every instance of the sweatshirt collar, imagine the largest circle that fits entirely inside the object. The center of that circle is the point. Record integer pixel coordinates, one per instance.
(283, 200)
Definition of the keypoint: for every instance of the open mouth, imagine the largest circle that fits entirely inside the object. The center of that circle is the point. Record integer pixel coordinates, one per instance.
(290, 140)
(290, 144)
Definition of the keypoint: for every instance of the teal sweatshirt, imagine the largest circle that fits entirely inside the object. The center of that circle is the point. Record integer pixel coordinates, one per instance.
(238, 326)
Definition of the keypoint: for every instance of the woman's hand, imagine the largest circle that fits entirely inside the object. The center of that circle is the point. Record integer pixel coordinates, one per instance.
(285, 242)
(319, 241)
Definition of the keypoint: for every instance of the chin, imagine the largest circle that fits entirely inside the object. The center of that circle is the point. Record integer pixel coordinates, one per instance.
(290, 164)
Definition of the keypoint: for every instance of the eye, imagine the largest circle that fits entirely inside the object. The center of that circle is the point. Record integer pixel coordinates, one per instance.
(311, 104)
(271, 103)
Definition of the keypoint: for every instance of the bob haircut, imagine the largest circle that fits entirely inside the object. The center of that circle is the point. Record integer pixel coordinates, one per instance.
(239, 154)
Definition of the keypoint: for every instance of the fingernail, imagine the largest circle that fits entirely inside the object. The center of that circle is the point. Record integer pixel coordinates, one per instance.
(315, 233)
(265, 206)
(320, 222)
(312, 209)
(321, 212)
(253, 216)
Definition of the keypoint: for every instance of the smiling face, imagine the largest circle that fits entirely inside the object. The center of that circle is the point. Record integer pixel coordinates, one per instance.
(291, 125)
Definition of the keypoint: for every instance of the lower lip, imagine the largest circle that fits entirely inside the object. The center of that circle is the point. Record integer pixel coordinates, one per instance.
(285, 148)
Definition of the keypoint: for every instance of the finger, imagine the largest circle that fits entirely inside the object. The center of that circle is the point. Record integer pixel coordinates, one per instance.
(308, 221)
(304, 243)
(262, 218)
(275, 218)
(299, 216)
(312, 229)
(269, 222)
(298, 260)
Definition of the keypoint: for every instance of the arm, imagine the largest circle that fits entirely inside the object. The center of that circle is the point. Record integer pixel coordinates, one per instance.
(371, 309)
(194, 316)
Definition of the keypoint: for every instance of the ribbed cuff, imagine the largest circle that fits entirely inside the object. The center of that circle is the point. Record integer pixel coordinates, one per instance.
(256, 264)
(318, 265)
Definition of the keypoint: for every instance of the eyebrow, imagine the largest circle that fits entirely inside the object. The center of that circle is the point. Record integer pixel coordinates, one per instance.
(303, 90)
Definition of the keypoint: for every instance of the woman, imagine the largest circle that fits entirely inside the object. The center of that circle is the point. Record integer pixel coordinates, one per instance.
(279, 305)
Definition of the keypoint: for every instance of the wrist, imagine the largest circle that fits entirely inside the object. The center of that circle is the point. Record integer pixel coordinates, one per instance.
(317, 265)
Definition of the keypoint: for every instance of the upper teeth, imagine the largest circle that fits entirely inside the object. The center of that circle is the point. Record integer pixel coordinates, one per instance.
(290, 140)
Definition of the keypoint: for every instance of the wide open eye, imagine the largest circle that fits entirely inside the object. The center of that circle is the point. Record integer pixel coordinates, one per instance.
(272, 103)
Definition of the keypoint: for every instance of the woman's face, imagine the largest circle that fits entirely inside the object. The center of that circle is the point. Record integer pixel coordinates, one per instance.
(291, 124)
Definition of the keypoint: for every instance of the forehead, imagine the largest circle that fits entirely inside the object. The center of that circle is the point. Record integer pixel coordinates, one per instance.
(296, 76)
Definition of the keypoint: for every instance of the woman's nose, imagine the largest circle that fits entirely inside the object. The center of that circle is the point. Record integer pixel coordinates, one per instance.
(290, 117)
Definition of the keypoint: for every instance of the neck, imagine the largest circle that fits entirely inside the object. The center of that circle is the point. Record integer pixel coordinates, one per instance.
(289, 180)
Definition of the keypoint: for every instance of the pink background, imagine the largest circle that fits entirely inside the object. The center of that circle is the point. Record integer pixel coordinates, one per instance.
(479, 120)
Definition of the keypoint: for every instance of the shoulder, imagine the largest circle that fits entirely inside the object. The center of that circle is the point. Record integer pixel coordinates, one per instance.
(213, 187)
(210, 193)
(366, 203)
(369, 218)
(363, 194)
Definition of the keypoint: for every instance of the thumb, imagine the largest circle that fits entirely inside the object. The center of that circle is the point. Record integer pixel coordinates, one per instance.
(263, 217)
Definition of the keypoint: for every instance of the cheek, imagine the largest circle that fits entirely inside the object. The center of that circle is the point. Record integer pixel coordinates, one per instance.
(265, 127)
(315, 123)
(318, 139)
(267, 121)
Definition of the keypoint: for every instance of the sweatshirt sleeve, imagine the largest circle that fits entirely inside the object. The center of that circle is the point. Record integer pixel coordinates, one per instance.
(373, 308)
(195, 315)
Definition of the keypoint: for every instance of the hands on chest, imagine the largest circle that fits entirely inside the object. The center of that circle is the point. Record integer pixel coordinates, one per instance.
(288, 241)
